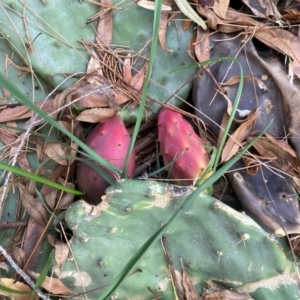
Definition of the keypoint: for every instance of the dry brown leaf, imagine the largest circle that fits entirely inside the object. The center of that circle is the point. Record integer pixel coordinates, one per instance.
(56, 152)
(96, 115)
(120, 97)
(66, 201)
(279, 39)
(224, 122)
(39, 146)
(252, 165)
(220, 8)
(32, 243)
(16, 285)
(127, 76)
(6, 94)
(51, 198)
(261, 84)
(53, 285)
(282, 145)
(202, 47)
(136, 81)
(9, 138)
(61, 250)
(23, 162)
(189, 290)
(233, 143)
(262, 8)
(104, 30)
(21, 112)
(281, 154)
(164, 21)
(290, 13)
(19, 255)
(94, 65)
(33, 206)
(62, 99)
(21, 158)
(99, 99)
(68, 198)
(59, 171)
(87, 99)
(234, 80)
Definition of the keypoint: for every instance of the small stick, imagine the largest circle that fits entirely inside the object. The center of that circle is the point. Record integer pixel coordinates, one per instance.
(171, 266)
(22, 274)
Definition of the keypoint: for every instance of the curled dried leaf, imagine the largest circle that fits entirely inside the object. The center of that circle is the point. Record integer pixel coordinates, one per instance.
(96, 115)
(33, 206)
(252, 165)
(53, 285)
(56, 152)
(220, 8)
(61, 250)
(233, 144)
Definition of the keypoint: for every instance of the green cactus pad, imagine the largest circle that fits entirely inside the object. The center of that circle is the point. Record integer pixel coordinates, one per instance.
(54, 29)
(164, 84)
(214, 241)
(12, 66)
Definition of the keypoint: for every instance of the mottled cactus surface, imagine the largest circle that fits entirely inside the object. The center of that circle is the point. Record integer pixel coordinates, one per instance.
(46, 35)
(132, 28)
(180, 144)
(111, 141)
(214, 241)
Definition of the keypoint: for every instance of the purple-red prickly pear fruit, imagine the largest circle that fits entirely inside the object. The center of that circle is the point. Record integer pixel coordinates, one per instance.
(179, 141)
(111, 141)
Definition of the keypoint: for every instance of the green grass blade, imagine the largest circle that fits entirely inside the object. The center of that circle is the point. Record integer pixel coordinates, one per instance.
(43, 274)
(156, 23)
(184, 207)
(4, 82)
(37, 178)
(12, 291)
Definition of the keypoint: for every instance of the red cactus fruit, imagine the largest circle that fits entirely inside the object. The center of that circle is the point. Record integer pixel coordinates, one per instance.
(179, 141)
(111, 141)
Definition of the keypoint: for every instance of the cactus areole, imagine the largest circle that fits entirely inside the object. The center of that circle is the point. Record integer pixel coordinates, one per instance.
(181, 145)
(111, 141)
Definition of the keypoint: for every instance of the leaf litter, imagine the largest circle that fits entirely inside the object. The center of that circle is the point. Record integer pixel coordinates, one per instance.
(111, 82)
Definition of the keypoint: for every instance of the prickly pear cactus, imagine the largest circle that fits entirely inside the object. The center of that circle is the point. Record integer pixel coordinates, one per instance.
(13, 67)
(46, 34)
(214, 241)
(179, 142)
(111, 141)
(164, 85)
